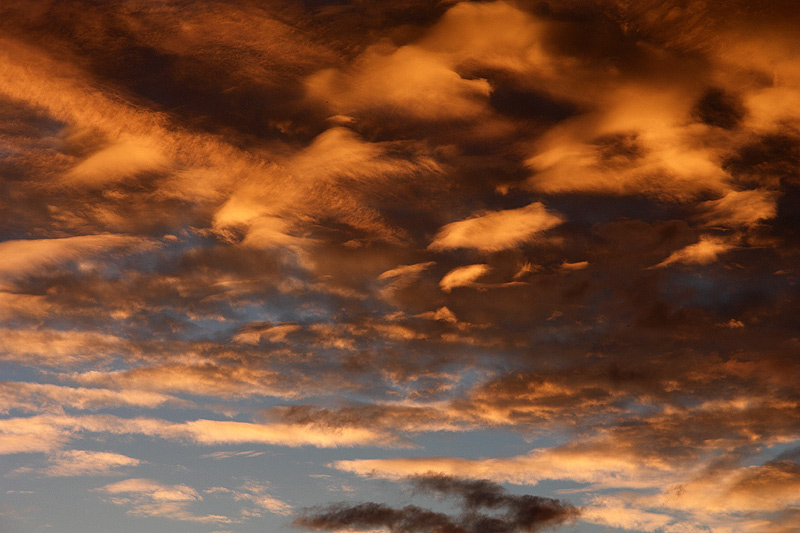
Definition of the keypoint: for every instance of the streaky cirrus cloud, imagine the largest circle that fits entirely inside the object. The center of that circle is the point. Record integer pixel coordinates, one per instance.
(32, 256)
(71, 463)
(35, 397)
(46, 432)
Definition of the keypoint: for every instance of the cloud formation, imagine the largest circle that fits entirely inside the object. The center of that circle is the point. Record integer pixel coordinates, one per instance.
(520, 513)
(496, 231)
(149, 498)
(253, 253)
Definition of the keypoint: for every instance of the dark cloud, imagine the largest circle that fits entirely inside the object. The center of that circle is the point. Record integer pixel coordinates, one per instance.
(404, 520)
(718, 108)
(181, 59)
(769, 160)
(518, 512)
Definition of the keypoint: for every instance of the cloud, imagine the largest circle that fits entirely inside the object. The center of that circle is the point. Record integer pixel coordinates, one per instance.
(256, 494)
(254, 333)
(149, 498)
(29, 435)
(766, 487)
(720, 108)
(609, 513)
(50, 432)
(351, 224)
(157, 491)
(639, 154)
(33, 256)
(217, 432)
(34, 397)
(594, 465)
(60, 348)
(203, 379)
(498, 230)
(741, 208)
(463, 276)
(406, 271)
(703, 252)
(432, 78)
(408, 79)
(571, 267)
(402, 278)
(521, 513)
(680, 461)
(329, 178)
(227, 455)
(72, 463)
(339, 153)
(119, 161)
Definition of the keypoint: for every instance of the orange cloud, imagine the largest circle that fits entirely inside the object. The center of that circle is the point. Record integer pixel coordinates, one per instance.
(326, 179)
(209, 379)
(122, 160)
(146, 497)
(498, 230)
(410, 79)
(40, 396)
(50, 432)
(741, 208)
(593, 465)
(20, 258)
(59, 348)
(423, 79)
(701, 253)
(463, 276)
(256, 494)
(72, 463)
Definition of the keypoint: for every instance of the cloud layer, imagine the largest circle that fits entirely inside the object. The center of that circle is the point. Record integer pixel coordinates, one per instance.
(325, 237)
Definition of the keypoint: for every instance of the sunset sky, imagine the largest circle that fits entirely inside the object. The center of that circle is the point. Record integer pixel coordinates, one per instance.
(407, 266)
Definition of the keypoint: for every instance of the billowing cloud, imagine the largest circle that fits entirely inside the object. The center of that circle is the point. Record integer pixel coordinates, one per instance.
(410, 79)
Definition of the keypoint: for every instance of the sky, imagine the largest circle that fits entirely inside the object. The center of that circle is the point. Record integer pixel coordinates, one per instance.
(399, 267)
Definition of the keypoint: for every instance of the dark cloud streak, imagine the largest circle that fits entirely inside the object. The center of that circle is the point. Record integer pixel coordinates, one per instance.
(523, 513)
